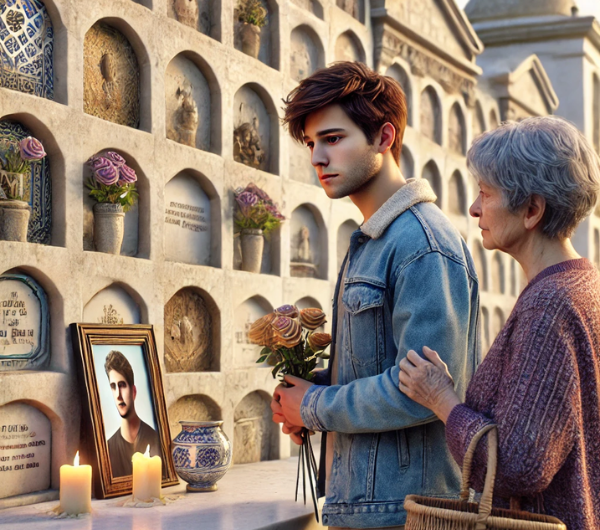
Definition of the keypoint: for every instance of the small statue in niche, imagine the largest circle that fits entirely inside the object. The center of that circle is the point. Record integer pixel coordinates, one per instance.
(304, 252)
(186, 117)
(246, 144)
(187, 12)
(109, 79)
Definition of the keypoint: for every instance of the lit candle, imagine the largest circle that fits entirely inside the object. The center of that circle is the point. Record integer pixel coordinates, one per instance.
(76, 488)
(147, 474)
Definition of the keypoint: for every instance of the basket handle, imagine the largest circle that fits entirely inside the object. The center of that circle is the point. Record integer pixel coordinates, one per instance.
(485, 504)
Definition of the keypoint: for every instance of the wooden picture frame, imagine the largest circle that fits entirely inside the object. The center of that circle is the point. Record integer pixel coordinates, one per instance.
(110, 401)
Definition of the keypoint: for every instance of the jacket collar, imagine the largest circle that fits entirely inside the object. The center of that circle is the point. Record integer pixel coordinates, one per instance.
(415, 190)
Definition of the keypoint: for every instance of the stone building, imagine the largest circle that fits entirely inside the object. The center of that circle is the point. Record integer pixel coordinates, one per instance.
(175, 88)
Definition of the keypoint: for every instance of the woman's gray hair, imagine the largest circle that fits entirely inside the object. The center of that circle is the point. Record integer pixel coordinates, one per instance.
(544, 156)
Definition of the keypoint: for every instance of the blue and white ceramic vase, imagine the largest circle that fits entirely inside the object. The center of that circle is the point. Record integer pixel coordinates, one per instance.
(202, 454)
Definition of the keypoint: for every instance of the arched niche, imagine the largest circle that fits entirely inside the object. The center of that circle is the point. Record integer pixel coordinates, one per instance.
(457, 138)
(312, 6)
(194, 407)
(349, 48)
(244, 352)
(201, 15)
(27, 48)
(37, 184)
(256, 129)
(30, 469)
(431, 115)
(345, 231)
(596, 112)
(497, 323)
(306, 52)
(478, 120)
(457, 194)
(306, 302)
(399, 74)
(493, 120)
(431, 173)
(113, 305)
(192, 103)
(255, 436)
(301, 168)
(192, 332)
(498, 285)
(485, 329)
(112, 88)
(136, 238)
(192, 220)
(355, 8)
(308, 243)
(479, 258)
(407, 163)
(244, 35)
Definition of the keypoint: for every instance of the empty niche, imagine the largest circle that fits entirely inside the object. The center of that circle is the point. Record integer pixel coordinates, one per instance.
(301, 168)
(407, 163)
(306, 53)
(478, 120)
(431, 116)
(246, 353)
(192, 325)
(312, 6)
(187, 95)
(345, 231)
(457, 195)
(255, 436)
(37, 187)
(354, 8)
(196, 407)
(113, 305)
(26, 48)
(308, 240)
(258, 42)
(197, 14)
(497, 274)
(480, 262)
(111, 76)
(399, 74)
(349, 48)
(192, 220)
(30, 469)
(431, 173)
(252, 131)
(457, 141)
(497, 323)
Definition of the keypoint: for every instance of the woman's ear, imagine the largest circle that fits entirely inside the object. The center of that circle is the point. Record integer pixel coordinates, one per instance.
(534, 211)
(385, 138)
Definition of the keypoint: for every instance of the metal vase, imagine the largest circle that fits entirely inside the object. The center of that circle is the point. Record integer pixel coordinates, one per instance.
(108, 227)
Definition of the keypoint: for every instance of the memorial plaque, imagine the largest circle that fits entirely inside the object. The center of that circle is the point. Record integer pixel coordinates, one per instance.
(24, 324)
(25, 456)
(112, 306)
(187, 221)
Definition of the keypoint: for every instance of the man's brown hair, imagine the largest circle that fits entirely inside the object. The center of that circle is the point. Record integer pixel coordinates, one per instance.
(116, 361)
(368, 98)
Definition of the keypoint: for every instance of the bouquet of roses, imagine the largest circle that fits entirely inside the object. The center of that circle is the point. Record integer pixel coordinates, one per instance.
(292, 345)
(256, 210)
(112, 180)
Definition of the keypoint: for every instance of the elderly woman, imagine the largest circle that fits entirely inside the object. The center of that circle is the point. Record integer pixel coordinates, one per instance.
(540, 381)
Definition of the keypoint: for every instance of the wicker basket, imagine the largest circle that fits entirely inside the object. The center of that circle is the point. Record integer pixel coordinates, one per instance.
(427, 513)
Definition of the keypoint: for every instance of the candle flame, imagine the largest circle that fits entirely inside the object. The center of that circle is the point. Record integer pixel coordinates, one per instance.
(147, 453)
(76, 461)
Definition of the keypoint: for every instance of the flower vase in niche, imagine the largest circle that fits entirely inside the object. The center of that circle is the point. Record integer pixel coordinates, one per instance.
(201, 454)
(112, 186)
(256, 216)
(15, 171)
(251, 17)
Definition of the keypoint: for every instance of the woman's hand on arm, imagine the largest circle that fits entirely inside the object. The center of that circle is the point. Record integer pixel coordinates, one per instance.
(428, 382)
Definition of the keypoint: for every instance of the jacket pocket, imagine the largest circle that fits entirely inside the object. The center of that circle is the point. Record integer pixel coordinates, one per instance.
(403, 453)
(363, 303)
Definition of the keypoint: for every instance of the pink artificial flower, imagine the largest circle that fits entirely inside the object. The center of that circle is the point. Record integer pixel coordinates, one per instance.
(126, 175)
(31, 149)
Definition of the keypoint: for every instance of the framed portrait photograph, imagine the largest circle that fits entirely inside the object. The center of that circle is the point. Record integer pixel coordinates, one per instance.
(125, 411)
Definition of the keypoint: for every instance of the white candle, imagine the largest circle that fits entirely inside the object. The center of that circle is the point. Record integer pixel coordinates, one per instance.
(76, 488)
(147, 475)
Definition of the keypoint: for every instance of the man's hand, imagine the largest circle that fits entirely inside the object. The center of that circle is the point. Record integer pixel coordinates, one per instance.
(286, 406)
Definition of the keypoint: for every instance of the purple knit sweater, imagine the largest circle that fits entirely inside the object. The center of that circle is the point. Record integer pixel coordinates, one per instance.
(540, 383)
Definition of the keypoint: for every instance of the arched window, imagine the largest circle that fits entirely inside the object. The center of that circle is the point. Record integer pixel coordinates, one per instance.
(457, 141)
(431, 126)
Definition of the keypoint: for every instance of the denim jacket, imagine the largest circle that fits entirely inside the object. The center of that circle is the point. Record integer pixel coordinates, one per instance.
(410, 282)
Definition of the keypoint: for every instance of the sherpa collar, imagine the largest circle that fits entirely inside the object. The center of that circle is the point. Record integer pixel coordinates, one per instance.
(415, 190)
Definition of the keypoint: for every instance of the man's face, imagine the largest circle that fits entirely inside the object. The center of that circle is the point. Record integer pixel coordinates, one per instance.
(340, 153)
(123, 393)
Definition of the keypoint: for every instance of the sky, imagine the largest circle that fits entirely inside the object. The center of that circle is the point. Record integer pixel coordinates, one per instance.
(586, 7)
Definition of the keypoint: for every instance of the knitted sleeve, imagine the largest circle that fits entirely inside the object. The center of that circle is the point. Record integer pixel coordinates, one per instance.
(535, 407)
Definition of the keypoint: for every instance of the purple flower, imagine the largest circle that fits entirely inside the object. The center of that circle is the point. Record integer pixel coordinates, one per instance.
(115, 158)
(126, 175)
(31, 149)
(255, 190)
(246, 201)
(104, 170)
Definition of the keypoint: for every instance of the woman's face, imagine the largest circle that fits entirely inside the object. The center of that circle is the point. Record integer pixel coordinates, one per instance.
(500, 229)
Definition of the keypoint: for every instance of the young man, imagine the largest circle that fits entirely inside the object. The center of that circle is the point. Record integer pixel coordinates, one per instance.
(134, 435)
(407, 280)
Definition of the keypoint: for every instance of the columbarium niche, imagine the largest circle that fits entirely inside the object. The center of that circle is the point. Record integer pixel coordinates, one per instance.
(431, 116)
(245, 353)
(255, 436)
(407, 163)
(399, 74)
(25, 450)
(192, 324)
(308, 240)
(457, 140)
(312, 6)
(200, 15)
(354, 8)
(485, 328)
(306, 53)
(431, 173)
(196, 407)
(480, 262)
(192, 220)
(457, 195)
(37, 186)
(345, 231)
(301, 168)
(349, 48)
(498, 274)
(26, 48)
(111, 76)
(493, 120)
(113, 305)
(497, 323)
(259, 43)
(478, 120)
(188, 104)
